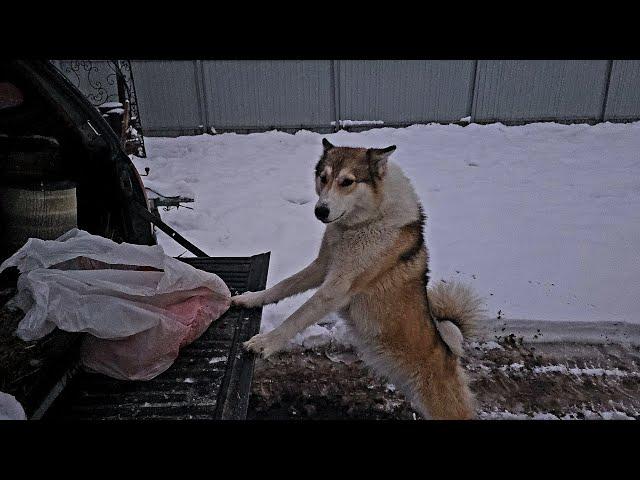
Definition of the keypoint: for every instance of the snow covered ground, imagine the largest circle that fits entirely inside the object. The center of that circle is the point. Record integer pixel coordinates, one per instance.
(543, 220)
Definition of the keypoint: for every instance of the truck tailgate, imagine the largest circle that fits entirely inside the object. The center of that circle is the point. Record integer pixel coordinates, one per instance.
(211, 378)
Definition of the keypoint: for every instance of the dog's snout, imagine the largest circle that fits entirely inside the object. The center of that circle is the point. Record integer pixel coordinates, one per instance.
(322, 212)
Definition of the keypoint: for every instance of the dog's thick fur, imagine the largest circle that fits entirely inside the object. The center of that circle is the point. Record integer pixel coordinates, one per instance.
(372, 269)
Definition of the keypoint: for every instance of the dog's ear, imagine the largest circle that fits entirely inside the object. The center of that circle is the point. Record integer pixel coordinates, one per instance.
(378, 159)
(326, 144)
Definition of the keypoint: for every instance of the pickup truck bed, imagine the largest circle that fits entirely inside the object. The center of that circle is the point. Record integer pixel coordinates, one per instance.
(211, 378)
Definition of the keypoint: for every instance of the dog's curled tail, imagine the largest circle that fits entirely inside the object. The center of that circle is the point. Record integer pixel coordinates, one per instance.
(456, 309)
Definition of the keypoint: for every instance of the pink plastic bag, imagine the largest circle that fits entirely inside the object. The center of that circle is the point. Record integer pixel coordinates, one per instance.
(138, 305)
(147, 354)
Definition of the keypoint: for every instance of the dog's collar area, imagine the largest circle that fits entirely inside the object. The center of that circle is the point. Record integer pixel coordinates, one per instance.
(334, 220)
(363, 224)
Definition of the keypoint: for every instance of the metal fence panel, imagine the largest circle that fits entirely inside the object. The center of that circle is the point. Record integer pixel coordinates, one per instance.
(178, 97)
(538, 90)
(623, 101)
(168, 96)
(95, 78)
(265, 93)
(405, 91)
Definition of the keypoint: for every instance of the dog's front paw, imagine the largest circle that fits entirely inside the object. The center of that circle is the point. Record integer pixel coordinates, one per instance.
(248, 300)
(264, 344)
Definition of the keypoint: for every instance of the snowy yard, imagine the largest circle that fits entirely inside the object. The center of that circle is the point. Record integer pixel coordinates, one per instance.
(543, 220)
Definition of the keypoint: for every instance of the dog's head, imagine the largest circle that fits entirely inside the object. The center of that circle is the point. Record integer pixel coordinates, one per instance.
(349, 182)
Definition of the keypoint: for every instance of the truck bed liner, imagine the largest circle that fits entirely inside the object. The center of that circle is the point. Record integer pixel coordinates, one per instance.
(211, 378)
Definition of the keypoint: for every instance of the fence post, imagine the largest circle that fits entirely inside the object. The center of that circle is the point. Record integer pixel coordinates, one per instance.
(196, 77)
(472, 93)
(335, 88)
(201, 89)
(605, 95)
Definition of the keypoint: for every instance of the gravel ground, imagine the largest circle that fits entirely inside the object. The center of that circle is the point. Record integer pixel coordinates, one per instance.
(512, 379)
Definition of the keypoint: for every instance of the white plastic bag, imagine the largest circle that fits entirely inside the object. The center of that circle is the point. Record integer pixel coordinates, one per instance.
(10, 408)
(139, 305)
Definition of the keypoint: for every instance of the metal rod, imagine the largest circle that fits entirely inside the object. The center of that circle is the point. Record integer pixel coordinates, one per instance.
(147, 215)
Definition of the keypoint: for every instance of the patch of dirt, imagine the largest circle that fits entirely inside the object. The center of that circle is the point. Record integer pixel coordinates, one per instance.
(322, 384)
(511, 380)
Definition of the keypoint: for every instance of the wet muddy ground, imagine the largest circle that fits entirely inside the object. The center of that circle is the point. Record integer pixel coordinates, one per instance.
(511, 379)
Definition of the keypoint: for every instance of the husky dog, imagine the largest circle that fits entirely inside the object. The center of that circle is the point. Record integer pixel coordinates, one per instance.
(372, 270)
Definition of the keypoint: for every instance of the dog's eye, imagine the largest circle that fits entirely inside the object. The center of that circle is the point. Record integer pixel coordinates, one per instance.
(323, 178)
(346, 182)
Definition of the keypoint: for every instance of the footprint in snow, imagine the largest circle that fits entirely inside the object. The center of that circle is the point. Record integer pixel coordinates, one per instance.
(296, 196)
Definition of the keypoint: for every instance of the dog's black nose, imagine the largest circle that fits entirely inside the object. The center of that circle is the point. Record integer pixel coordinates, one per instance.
(322, 212)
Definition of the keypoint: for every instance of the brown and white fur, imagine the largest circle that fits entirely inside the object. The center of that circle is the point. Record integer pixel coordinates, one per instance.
(372, 269)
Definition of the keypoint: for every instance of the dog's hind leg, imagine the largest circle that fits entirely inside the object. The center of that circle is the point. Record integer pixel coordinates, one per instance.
(430, 378)
(444, 395)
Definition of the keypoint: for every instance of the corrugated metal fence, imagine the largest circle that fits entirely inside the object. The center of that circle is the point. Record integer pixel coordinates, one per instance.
(188, 97)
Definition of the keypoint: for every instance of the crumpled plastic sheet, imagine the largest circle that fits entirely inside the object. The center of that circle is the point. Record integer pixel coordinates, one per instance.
(10, 408)
(138, 305)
